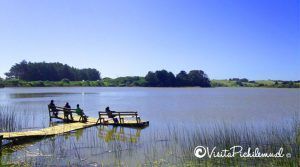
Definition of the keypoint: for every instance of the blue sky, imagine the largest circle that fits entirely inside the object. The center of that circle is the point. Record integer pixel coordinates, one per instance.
(257, 39)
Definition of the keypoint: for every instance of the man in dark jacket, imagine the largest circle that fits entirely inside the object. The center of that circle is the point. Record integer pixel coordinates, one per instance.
(111, 115)
(53, 108)
(67, 112)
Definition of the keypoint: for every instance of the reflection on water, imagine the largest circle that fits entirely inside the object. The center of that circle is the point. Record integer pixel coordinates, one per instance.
(95, 144)
(37, 95)
(78, 134)
(89, 143)
(114, 133)
(41, 95)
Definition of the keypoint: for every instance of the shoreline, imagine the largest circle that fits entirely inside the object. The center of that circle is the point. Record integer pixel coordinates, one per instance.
(105, 83)
(143, 87)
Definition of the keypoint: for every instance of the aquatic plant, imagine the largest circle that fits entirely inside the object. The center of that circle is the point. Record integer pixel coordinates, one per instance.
(170, 146)
(178, 145)
(22, 117)
(8, 120)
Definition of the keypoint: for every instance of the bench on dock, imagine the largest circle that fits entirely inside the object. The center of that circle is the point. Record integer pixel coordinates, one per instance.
(53, 113)
(120, 115)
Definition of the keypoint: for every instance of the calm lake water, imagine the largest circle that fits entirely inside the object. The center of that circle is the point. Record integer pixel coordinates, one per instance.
(163, 107)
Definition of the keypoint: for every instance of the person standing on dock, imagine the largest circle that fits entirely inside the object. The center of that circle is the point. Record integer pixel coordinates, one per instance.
(53, 108)
(67, 112)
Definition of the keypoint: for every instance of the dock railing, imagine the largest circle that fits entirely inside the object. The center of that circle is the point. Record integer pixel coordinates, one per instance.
(53, 113)
(121, 116)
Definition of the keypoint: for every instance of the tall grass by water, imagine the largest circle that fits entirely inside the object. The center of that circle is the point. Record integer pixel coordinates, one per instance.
(174, 148)
(179, 144)
(8, 121)
(21, 117)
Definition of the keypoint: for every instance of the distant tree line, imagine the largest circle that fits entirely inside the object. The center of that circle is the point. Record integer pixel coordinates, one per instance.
(43, 71)
(239, 80)
(164, 78)
(42, 74)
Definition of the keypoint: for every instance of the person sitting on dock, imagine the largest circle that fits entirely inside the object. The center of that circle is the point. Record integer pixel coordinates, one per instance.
(111, 115)
(80, 112)
(53, 108)
(67, 112)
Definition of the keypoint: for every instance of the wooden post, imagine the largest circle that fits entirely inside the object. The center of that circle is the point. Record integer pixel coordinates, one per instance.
(99, 119)
(1, 138)
(136, 117)
(49, 113)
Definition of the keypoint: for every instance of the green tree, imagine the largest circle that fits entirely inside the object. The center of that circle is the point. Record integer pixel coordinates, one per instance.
(160, 78)
(50, 71)
(199, 78)
(182, 79)
(18, 71)
(65, 80)
(165, 78)
(151, 79)
(244, 80)
(1, 83)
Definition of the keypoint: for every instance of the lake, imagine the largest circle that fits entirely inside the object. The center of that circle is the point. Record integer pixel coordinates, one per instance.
(165, 108)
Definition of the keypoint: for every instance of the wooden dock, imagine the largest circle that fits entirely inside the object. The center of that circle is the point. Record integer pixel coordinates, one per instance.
(67, 127)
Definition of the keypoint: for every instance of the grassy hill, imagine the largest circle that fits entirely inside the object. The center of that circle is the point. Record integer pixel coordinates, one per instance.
(257, 83)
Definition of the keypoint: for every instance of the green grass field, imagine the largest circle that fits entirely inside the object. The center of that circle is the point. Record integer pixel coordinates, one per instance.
(257, 83)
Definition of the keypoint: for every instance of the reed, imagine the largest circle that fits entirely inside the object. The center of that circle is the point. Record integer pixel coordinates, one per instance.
(170, 146)
(8, 120)
(179, 144)
(22, 117)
